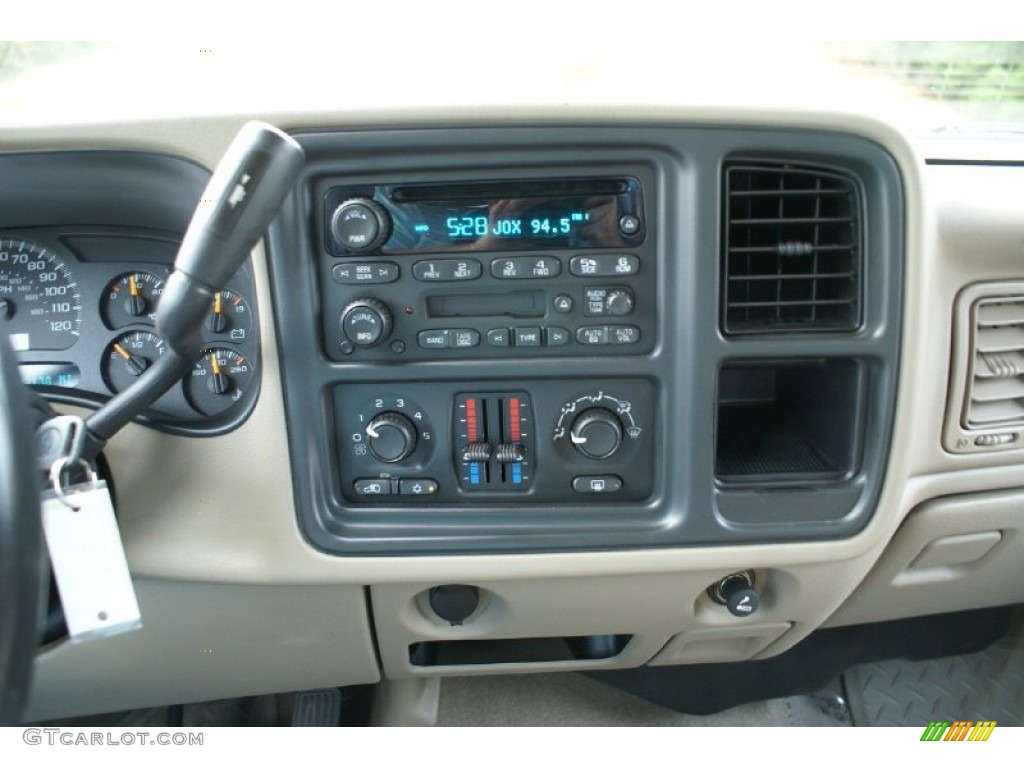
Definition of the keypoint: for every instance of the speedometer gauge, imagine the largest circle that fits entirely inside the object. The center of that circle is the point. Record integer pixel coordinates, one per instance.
(39, 297)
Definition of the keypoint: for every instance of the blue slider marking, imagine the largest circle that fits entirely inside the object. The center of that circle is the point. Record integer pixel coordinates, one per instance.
(517, 473)
(474, 473)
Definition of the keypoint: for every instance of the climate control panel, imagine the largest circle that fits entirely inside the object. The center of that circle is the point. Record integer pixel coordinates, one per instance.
(446, 442)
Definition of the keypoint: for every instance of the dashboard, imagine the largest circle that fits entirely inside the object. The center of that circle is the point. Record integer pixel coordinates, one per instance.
(531, 392)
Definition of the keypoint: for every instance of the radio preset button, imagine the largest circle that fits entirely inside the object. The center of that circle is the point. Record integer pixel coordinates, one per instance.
(604, 265)
(363, 273)
(526, 268)
(527, 337)
(498, 337)
(446, 270)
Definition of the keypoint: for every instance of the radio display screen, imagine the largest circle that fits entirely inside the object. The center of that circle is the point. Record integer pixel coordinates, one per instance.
(505, 216)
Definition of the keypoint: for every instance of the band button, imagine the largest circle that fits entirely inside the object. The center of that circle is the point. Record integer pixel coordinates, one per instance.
(433, 339)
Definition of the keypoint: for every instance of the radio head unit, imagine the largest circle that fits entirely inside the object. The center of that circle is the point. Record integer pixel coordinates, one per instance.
(540, 267)
(484, 216)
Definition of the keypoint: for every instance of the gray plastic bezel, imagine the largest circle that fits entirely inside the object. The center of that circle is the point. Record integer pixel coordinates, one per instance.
(686, 506)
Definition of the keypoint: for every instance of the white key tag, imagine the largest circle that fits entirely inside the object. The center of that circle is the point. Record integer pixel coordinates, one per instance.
(88, 557)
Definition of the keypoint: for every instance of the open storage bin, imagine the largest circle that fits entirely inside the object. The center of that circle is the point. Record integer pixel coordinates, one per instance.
(793, 420)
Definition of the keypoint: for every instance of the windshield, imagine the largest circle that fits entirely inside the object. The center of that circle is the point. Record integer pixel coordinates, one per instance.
(924, 86)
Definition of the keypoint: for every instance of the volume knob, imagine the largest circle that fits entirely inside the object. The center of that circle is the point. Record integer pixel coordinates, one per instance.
(366, 322)
(360, 224)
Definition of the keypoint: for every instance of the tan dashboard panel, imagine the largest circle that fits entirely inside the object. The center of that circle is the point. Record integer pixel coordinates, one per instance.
(220, 513)
(952, 554)
(211, 641)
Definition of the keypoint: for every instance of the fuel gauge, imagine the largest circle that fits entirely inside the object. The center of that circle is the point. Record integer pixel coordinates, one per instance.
(229, 318)
(131, 298)
(218, 380)
(128, 357)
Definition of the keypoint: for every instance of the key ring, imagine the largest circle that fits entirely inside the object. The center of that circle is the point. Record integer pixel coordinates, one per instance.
(57, 469)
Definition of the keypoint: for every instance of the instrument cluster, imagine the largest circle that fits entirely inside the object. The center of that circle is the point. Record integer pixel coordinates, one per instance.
(80, 310)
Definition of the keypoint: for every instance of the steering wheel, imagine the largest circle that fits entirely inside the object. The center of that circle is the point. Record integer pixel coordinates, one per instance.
(21, 542)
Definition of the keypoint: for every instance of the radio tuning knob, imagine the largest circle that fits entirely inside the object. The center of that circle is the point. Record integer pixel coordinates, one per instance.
(391, 436)
(596, 433)
(366, 322)
(360, 224)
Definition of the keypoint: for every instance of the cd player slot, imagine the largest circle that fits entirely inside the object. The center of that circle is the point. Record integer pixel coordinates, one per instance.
(518, 304)
(506, 189)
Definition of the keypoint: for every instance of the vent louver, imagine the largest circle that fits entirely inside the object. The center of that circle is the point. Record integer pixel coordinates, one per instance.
(996, 388)
(792, 249)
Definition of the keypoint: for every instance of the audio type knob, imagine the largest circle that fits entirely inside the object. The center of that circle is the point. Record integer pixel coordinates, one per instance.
(360, 224)
(366, 322)
(596, 433)
(619, 302)
(391, 436)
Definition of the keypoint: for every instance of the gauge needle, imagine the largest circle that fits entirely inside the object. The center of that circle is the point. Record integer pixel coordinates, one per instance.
(217, 322)
(136, 301)
(137, 367)
(219, 382)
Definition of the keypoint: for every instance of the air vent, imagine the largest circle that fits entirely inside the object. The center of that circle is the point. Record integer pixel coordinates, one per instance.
(792, 249)
(996, 389)
(985, 411)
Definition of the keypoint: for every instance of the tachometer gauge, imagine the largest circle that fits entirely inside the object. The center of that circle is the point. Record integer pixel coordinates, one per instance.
(128, 357)
(39, 298)
(229, 318)
(219, 379)
(131, 298)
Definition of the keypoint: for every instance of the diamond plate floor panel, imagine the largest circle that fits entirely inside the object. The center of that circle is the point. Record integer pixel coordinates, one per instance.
(980, 686)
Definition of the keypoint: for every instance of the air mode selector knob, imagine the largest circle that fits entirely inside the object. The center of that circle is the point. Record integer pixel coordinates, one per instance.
(391, 436)
(596, 433)
(366, 322)
(360, 224)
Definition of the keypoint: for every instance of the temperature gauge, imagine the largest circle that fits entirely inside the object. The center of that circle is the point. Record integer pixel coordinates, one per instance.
(128, 357)
(131, 298)
(230, 318)
(219, 380)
